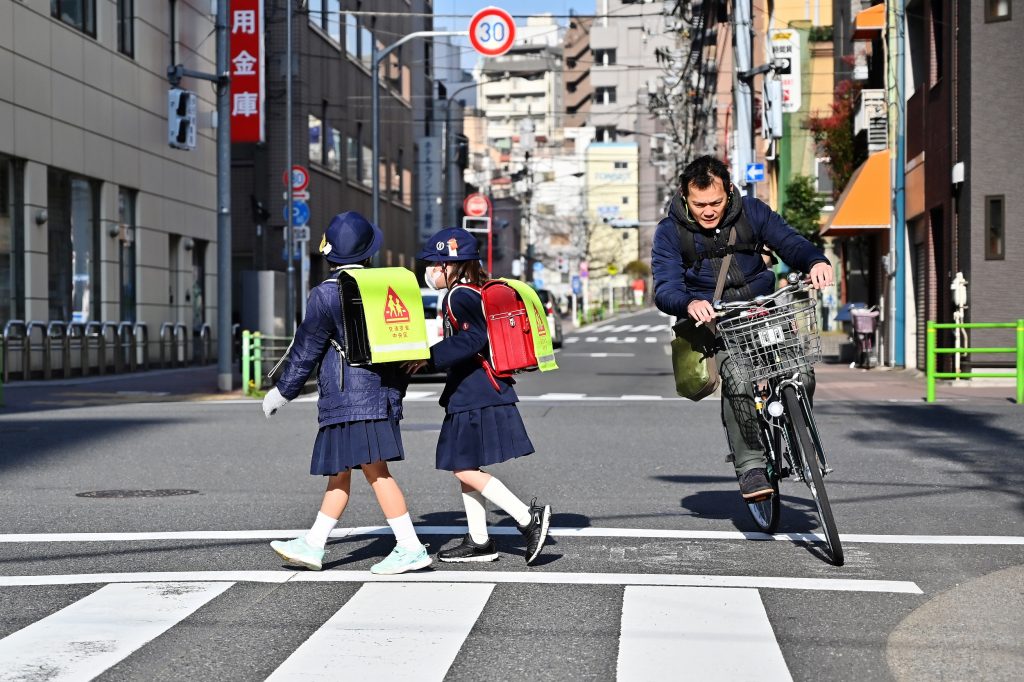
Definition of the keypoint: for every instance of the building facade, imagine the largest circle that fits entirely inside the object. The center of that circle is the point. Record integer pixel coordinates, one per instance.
(100, 219)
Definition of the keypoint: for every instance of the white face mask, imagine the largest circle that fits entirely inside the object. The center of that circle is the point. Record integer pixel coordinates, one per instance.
(430, 277)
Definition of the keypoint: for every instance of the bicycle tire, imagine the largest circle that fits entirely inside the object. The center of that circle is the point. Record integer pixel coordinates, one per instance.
(804, 445)
(766, 512)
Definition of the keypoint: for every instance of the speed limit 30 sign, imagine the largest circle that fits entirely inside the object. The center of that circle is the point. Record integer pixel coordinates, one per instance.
(492, 31)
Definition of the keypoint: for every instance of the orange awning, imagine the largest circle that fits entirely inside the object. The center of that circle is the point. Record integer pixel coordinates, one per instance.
(864, 206)
(869, 23)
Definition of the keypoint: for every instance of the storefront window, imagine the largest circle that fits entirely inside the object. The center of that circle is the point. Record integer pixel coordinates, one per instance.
(126, 219)
(73, 248)
(12, 243)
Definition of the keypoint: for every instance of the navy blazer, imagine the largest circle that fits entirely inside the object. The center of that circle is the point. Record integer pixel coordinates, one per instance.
(675, 285)
(363, 393)
(467, 386)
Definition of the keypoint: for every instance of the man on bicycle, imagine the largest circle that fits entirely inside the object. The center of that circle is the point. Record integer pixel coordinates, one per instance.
(689, 247)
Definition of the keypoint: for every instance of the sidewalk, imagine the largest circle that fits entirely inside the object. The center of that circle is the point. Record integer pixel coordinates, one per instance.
(841, 382)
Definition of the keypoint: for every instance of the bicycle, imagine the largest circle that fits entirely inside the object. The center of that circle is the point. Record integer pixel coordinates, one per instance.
(771, 339)
(865, 322)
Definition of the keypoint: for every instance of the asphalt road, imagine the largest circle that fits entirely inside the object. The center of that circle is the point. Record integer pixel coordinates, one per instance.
(652, 569)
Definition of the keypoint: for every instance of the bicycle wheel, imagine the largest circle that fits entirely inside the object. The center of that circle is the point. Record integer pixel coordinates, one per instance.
(766, 511)
(803, 445)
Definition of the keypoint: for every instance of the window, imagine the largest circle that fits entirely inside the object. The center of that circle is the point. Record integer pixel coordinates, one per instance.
(73, 247)
(606, 134)
(937, 46)
(326, 15)
(995, 227)
(333, 160)
(622, 164)
(352, 35)
(625, 200)
(352, 158)
(997, 10)
(366, 166)
(316, 140)
(604, 95)
(126, 28)
(604, 57)
(126, 219)
(12, 241)
(78, 13)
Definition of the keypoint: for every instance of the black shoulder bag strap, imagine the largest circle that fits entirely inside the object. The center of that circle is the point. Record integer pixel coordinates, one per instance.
(722, 273)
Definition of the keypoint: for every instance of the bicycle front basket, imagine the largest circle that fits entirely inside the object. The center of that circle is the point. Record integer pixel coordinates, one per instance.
(778, 341)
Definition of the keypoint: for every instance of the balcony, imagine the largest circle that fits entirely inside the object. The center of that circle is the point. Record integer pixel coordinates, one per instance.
(870, 117)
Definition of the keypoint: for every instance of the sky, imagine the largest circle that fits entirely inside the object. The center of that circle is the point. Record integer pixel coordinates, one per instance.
(464, 9)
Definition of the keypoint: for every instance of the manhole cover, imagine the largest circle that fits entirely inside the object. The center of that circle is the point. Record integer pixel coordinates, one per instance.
(164, 492)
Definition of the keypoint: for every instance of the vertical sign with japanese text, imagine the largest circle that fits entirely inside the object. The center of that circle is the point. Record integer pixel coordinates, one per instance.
(246, 64)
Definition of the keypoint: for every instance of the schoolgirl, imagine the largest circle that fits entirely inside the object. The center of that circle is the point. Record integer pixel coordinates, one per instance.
(482, 425)
(359, 410)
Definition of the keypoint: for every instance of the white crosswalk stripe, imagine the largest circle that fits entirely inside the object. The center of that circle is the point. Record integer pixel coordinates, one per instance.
(612, 339)
(414, 626)
(699, 629)
(81, 641)
(402, 631)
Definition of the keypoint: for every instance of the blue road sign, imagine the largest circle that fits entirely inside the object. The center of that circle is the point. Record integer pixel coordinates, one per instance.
(300, 212)
(538, 283)
(577, 285)
(755, 172)
(538, 266)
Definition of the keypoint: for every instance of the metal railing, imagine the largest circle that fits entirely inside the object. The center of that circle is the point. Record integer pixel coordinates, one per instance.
(59, 349)
(933, 351)
(258, 351)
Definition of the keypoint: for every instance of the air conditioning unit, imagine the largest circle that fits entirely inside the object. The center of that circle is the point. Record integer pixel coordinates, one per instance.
(870, 117)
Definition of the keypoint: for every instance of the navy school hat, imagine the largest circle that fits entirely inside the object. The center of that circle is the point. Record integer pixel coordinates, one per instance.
(350, 238)
(450, 244)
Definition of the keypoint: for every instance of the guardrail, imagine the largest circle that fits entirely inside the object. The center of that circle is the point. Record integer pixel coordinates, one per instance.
(933, 351)
(259, 350)
(59, 349)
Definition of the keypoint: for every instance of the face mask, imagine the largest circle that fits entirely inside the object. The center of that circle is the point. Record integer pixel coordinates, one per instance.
(429, 278)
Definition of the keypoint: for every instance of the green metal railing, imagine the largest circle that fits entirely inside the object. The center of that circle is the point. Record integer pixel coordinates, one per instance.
(1018, 351)
(259, 350)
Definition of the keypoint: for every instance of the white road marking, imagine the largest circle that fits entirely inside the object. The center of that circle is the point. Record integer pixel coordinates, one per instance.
(82, 640)
(571, 339)
(561, 396)
(629, 339)
(699, 630)
(599, 355)
(420, 395)
(484, 576)
(394, 632)
(641, 397)
(650, 339)
(611, 339)
(457, 531)
(590, 339)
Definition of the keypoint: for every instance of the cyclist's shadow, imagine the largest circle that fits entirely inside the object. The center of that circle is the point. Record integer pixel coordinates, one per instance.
(798, 514)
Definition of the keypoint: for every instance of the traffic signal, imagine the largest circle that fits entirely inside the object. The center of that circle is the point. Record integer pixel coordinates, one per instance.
(181, 118)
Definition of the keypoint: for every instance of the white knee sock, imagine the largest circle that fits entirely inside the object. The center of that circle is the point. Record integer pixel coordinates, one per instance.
(405, 534)
(476, 516)
(321, 530)
(496, 492)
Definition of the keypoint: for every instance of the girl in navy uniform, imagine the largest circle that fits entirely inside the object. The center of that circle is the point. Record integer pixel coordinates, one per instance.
(482, 425)
(359, 410)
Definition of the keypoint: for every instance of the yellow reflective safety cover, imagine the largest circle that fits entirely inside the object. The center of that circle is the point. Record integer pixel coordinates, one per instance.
(393, 308)
(540, 331)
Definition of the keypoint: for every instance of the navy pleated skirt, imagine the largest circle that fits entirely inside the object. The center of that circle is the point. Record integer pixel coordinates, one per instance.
(348, 446)
(477, 438)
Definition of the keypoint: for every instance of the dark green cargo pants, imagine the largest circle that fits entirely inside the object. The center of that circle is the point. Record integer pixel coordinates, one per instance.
(740, 417)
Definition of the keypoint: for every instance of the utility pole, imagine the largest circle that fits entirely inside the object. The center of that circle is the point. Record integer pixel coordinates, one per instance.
(742, 95)
(289, 306)
(224, 364)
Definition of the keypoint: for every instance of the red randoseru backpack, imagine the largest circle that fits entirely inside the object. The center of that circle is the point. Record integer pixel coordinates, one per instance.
(508, 330)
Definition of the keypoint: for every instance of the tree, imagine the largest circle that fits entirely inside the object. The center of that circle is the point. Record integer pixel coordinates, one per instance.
(835, 134)
(802, 208)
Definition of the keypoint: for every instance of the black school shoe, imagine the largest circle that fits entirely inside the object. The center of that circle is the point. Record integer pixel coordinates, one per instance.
(536, 531)
(468, 551)
(754, 484)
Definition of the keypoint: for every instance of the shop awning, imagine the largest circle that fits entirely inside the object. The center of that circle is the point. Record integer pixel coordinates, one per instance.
(864, 206)
(870, 23)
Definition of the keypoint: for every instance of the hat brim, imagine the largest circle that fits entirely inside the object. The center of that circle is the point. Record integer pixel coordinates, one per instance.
(431, 256)
(349, 259)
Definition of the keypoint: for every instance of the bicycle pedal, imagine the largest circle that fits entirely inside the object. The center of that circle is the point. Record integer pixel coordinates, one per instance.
(826, 471)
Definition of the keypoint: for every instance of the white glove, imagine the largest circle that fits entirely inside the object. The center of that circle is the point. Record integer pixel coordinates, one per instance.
(272, 401)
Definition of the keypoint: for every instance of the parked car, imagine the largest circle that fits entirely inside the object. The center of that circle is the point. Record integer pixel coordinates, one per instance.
(432, 312)
(554, 315)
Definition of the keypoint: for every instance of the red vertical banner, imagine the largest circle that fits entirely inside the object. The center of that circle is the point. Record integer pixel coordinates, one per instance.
(245, 60)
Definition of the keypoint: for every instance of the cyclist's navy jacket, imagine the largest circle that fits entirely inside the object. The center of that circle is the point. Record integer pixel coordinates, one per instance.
(373, 392)
(467, 386)
(676, 285)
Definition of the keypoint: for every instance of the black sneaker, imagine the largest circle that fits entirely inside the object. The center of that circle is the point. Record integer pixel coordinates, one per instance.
(468, 550)
(754, 484)
(536, 531)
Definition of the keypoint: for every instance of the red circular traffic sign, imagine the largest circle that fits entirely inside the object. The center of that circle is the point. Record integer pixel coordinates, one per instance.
(300, 178)
(476, 205)
(492, 31)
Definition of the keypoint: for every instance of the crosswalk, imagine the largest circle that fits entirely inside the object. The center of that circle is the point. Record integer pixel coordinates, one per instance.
(414, 627)
(622, 334)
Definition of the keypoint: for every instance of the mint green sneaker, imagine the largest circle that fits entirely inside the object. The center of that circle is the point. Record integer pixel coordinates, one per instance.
(298, 552)
(401, 560)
